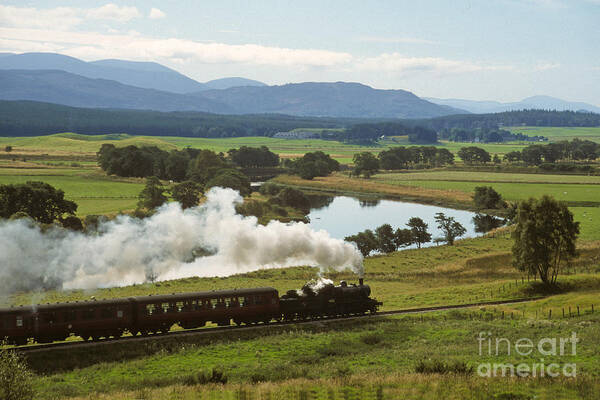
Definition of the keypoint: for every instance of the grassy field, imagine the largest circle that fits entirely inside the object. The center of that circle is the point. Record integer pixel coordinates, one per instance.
(87, 145)
(555, 134)
(369, 358)
(89, 187)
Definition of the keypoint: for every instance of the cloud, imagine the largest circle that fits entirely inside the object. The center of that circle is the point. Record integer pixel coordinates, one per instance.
(395, 62)
(155, 13)
(63, 18)
(113, 12)
(383, 39)
(131, 46)
(546, 66)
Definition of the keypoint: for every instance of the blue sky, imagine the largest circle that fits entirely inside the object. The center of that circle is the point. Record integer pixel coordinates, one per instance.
(483, 50)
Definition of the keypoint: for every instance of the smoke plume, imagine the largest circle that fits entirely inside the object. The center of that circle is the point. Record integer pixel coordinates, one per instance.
(209, 240)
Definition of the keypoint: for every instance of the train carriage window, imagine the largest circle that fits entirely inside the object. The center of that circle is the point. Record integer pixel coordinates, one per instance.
(107, 312)
(179, 306)
(48, 318)
(69, 316)
(150, 309)
(19, 321)
(248, 301)
(214, 303)
(165, 307)
(119, 313)
(89, 313)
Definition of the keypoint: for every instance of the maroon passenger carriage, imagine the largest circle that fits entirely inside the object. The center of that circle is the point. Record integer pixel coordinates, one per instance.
(145, 314)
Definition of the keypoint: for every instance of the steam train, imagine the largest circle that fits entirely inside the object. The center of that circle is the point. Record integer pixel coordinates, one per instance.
(96, 319)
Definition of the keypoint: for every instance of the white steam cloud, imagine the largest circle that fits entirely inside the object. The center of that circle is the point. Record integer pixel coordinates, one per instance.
(126, 249)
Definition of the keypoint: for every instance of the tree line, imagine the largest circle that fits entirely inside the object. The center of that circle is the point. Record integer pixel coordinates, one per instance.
(31, 118)
(369, 133)
(575, 150)
(386, 240)
(509, 118)
(486, 135)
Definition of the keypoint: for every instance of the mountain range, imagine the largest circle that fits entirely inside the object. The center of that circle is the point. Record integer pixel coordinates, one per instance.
(112, 83)
(149, 75)
(534, 102)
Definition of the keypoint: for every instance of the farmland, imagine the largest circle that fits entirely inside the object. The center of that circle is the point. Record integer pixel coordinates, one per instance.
(374, 355)
(364, 359)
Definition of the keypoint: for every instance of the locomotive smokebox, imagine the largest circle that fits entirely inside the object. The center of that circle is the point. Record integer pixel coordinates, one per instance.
(360, 281)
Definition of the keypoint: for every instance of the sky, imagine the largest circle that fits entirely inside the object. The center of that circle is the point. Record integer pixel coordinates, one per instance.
(502, 50)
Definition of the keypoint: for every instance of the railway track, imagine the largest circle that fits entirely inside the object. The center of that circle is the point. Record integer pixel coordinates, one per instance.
(206, 331)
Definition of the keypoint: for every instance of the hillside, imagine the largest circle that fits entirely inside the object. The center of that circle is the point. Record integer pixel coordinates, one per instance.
(29, 118)
(340, 99)
(147, 75)
(61, 87)
(333, 99)
(534, 102)
(226, 83)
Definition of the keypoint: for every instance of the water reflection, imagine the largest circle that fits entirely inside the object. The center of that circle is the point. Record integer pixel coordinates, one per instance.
(485, 223)
(343, 216)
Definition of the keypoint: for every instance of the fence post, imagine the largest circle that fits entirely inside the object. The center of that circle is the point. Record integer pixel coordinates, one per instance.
(550, 314)
(578, 310)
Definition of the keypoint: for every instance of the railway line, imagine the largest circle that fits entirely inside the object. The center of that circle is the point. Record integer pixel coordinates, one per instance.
(37, 348)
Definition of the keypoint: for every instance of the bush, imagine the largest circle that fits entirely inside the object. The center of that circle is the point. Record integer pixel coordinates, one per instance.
(16, 381)
(270, 189)
(216, 376)
(441, 367)
(372, 338)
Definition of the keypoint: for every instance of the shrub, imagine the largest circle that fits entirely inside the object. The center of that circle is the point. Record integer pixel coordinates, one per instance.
(270, 189)
(441, 367)
(15, 377)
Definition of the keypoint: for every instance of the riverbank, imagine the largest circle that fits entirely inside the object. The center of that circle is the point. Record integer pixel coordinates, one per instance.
(340, 184)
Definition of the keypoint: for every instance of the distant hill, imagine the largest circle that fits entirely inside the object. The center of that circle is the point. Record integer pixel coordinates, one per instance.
(333, 99)
(534, 102)
(226, 83)
(147, 75)
(61, 87)
(510, 118)
(31, 118)
(345, 100)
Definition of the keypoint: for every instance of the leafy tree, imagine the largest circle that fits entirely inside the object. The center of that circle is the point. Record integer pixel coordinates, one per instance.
(231, 178)
(418, 230)
(403, 237)
(385, 238)
(450, 227)
(186, 193)
(545, 236)
(365, 241)
(532, 155)
(8, 149)
(496, 159)
(72, 222)
(254, 157)
(205, 167)
(39, 200)
(314, 164)
(176, 166)
(485, 223)
(474, 155)
(485, 197)
(16, 380)
(422, 135)
(365, 163)
(513, 156)
(152, 196)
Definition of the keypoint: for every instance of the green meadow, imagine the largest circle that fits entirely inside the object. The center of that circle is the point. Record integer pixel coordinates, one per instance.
(555, 134)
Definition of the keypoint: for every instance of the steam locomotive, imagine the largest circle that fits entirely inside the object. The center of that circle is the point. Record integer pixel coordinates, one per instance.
(96, 319)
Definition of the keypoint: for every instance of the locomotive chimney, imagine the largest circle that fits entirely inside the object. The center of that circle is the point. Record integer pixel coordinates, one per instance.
(360, 281)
